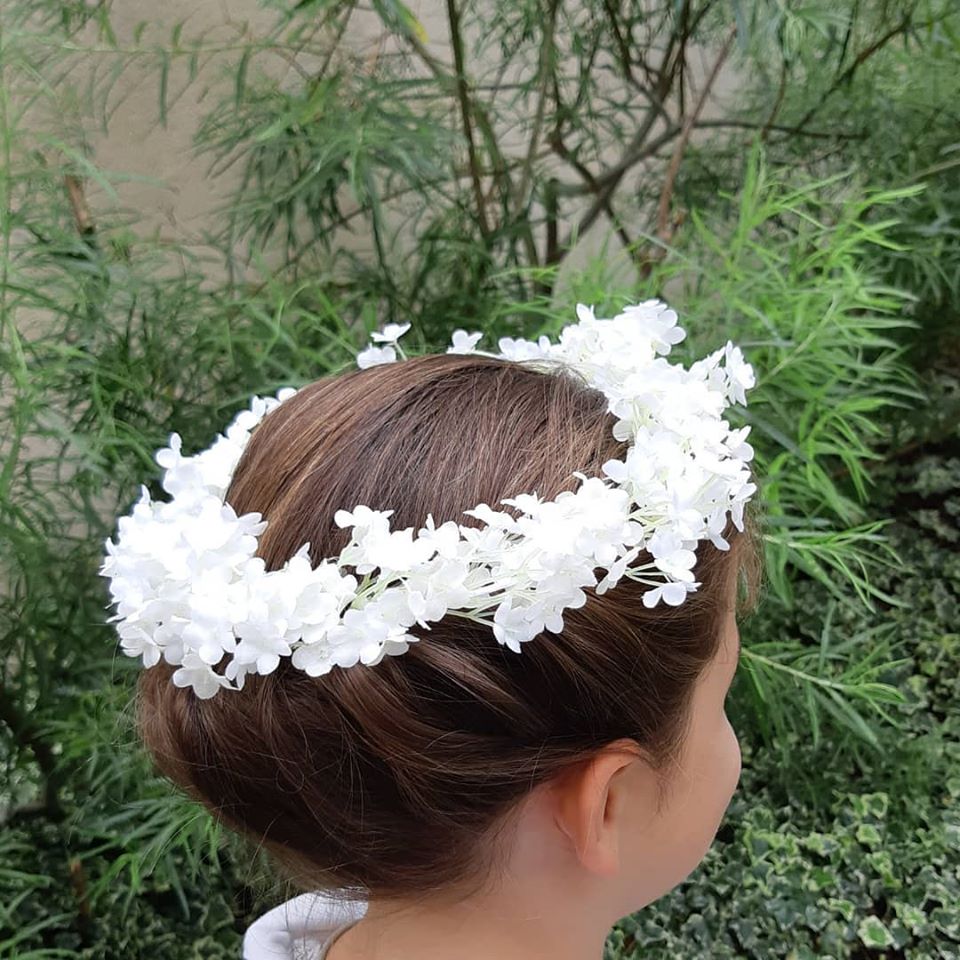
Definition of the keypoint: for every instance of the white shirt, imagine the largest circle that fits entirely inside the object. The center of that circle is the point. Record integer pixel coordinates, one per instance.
(300, 929)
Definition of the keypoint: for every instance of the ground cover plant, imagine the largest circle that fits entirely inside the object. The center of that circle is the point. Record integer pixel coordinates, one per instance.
(834, 268)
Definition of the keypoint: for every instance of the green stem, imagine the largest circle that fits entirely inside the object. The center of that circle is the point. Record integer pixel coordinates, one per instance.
(27, 737)
(796, 674)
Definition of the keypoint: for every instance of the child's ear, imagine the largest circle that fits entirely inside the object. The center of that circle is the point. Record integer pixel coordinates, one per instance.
(594, 801)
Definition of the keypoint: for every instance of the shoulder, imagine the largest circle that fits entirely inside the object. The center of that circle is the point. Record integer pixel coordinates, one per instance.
(298, 928)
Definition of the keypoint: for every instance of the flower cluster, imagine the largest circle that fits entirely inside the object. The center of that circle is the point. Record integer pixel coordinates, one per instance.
(189, 587)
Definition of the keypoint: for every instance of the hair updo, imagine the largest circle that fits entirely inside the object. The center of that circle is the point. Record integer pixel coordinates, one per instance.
(387, 780)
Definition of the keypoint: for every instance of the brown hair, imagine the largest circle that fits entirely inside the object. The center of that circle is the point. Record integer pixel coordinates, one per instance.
(386, 779)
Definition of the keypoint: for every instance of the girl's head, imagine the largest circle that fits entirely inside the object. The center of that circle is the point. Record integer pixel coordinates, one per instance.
(602, 750)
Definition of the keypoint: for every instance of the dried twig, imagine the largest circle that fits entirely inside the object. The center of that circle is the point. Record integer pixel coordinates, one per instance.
(78, 203)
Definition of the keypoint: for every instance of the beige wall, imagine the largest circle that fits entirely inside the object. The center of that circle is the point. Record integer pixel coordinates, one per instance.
(171, 192)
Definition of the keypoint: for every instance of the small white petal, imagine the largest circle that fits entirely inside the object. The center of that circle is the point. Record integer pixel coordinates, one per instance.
(373, 356)
(464, 342)
(390, 333)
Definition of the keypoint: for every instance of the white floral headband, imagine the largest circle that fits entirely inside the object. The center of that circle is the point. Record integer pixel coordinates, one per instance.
(189, 587)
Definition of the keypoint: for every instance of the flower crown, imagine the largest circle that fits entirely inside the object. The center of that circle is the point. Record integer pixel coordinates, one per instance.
(189, 587)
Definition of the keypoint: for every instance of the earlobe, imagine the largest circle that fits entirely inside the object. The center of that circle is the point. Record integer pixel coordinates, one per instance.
(590, 804)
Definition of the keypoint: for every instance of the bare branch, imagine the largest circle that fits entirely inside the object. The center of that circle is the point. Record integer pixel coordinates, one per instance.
(456, 40)
(554, 254)
(663, 207)
(779, 128)
(638, 149)
(545, 70)
(777, 103)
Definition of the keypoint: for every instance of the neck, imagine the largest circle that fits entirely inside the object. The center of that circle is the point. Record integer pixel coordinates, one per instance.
(508, 925)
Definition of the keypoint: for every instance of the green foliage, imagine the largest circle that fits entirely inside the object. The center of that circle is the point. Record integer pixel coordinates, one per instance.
(893, 106)
(49, 912)
(782, 274)
(469, 183)
(299, 151)
(785, 884)
(783, 278)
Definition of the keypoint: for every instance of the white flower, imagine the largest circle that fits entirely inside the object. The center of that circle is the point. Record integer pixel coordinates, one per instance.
(740, 376)
(396, 551)
(616, 570)
(715, 527)
(659, 321)
(314, 659)
(671, 556)
(200, 676)
(373, 356)
(738, 446)
(485, 542)
(499, 519)
(365, 636)
(444, 539)
(742, 495)
(363, 517)
(524, 349)
(464, 342)
(391, 333)
(512, 626)
(261, 646)
(672, 594)
(136, 642)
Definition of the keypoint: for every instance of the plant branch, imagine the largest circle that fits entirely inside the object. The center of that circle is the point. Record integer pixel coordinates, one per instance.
(777, 103)
(28, 737)
(637, 149)
(812, 678)
(663, 207)
(626, 62)
(605, 185)
(78, 204)
(553, 254)
(545, 70)
(847, 75)
(780, 128)
(470, 107)
(456, 40)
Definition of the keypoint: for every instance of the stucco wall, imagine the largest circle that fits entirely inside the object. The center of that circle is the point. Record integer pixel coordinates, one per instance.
(171, 192)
